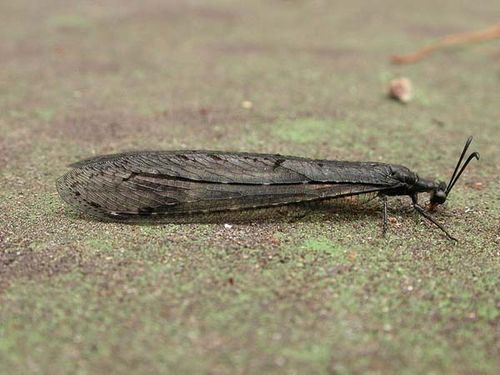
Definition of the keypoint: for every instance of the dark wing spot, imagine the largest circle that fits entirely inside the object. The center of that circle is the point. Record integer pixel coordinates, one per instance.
(94, 204)
(131, 175)
(320, 165)
(146, 210)
(77, 193)
(278, 162)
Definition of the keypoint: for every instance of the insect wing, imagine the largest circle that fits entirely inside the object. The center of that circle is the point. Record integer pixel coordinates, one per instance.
(243, 168)
(125, 194)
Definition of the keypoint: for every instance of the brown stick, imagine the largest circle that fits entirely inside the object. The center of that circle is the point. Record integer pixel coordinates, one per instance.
(449, 40)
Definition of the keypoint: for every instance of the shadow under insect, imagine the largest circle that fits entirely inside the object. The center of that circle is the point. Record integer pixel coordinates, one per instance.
(338, 210)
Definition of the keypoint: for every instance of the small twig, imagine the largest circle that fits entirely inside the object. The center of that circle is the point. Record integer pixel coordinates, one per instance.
(449, 40)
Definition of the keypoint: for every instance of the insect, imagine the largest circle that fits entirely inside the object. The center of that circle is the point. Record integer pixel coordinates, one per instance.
(139, 185)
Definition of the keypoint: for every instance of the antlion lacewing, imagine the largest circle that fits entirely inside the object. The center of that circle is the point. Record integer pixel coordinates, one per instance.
(135, 186)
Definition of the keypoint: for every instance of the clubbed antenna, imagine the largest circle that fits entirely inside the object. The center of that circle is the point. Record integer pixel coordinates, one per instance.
(455, 176)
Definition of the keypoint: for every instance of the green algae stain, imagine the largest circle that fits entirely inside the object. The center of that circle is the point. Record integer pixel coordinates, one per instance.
(307, 130)
(44, 114)
(318, 354)
(70, 22)
(103, 245)
(323, 245)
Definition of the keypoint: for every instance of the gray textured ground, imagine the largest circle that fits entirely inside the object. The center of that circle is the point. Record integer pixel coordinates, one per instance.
(317, 291)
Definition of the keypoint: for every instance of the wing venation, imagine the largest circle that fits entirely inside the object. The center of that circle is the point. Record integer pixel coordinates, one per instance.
(243, 168)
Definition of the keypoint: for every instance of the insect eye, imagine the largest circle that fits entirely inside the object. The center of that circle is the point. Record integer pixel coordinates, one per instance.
(438, 197)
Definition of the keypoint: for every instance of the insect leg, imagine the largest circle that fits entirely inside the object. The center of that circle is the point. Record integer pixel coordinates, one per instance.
(429, 217)
(384, 213)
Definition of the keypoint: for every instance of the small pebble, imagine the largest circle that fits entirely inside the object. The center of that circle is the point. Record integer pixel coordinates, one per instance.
(246, 104)
(401, 89)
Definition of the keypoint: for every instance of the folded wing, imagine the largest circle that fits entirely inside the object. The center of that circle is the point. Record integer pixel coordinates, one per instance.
(119, 193)
(241, 168)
